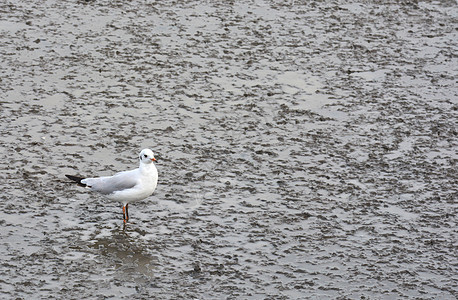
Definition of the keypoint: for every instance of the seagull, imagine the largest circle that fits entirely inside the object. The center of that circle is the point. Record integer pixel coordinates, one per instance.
(127, 186)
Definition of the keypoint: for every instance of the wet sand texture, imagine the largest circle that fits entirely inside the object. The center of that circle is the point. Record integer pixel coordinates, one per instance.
(307, 149)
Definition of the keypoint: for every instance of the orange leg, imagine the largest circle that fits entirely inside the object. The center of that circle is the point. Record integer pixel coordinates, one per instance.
(124, 213)
(127, 212)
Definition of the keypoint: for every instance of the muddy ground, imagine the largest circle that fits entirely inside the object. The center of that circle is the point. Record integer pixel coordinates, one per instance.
(307, 149)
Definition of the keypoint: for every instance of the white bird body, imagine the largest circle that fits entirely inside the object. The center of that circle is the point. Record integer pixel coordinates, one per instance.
(127, 186)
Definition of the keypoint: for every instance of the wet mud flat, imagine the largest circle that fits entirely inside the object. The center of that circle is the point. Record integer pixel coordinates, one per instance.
(307, 149)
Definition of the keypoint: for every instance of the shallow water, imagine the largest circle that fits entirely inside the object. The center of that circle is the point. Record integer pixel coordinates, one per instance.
(307, 150)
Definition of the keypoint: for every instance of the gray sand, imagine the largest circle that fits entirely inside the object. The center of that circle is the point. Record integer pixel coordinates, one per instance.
(307, 149)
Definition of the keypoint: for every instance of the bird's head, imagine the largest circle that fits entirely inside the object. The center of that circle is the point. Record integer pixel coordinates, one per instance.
(147, 156)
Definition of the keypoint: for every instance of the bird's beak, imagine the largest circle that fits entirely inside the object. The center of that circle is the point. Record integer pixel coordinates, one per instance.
(153, 159)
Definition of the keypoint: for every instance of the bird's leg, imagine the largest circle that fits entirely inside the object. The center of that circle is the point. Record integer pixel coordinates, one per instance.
(127, 212)
(124, 214)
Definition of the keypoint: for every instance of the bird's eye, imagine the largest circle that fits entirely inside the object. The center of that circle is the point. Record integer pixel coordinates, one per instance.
(145, 156)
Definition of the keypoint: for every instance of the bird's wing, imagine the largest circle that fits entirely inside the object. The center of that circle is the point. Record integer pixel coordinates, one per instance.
(111, 184)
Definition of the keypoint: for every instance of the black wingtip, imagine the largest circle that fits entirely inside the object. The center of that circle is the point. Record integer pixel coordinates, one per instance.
(76, 179)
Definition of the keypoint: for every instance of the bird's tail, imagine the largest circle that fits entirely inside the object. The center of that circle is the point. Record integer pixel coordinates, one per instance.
(76, 179)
